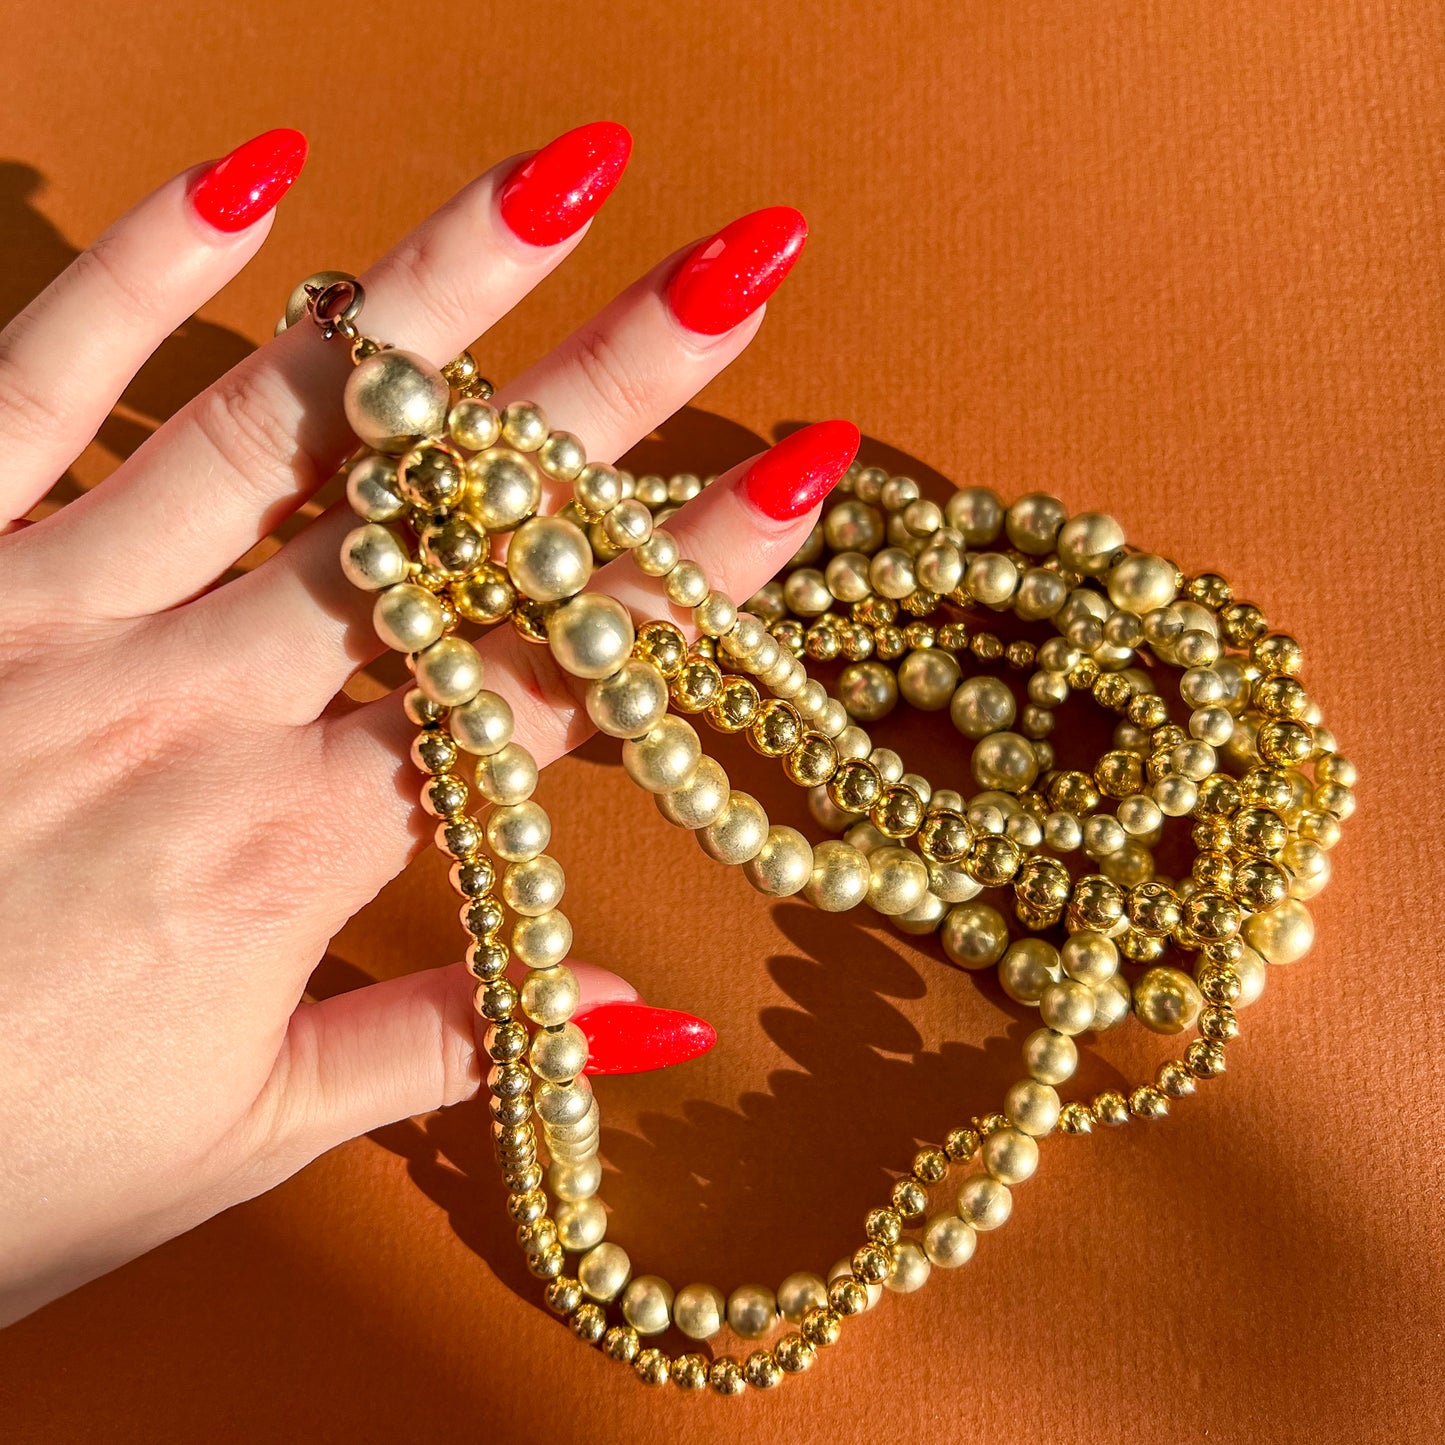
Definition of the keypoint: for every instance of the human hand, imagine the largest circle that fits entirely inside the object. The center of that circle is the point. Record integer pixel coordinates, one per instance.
(186, 815)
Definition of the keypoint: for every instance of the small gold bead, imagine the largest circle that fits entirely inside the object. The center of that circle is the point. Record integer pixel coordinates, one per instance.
(930, 1165)
(1111, 1108)
(689, 1372)
(961, 1144)
(822, 1327)
(621, 1343)
(761, 1370)
(909, 1198)
(794, 1353)
(726, 1376)
(651, 1367)
(1146, 1102)
(589, 1321)
(736, 706)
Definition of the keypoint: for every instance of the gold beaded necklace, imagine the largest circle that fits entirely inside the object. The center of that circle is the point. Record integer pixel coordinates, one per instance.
(891, 586)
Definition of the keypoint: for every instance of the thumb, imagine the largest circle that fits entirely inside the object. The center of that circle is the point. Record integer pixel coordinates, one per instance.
(365, 1058)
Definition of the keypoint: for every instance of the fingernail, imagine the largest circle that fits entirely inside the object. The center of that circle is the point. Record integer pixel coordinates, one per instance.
(241, 187)
(724, 280)
(795, 475)
(630, 1038)
(557, 191)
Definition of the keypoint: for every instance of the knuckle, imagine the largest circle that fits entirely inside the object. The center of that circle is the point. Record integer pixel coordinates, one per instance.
(418, 268)
(245, 422)
(616, 391)
(28, 417)
(137, 294)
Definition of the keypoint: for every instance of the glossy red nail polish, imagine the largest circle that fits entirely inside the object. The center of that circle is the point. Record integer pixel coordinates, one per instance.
(795, 475)
(555, 193)
(241, 187)
(724, 280)
(630, 1038)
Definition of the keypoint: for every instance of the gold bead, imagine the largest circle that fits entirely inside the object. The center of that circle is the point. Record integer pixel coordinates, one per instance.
(689, 1372)
(393, 398)
(738, 832)
(783, 865)
(961, 1144)
(822, 1327)
(909, 1198)
(700, 801)
(663, 645)
(752, 1311)
(726, 1376)
(699, 1311)
(589, 1321)
(591, 635)
(503, 489)
(665, 758)
(647, 1303)
(697, 686)
(486, 596)
(974, 935)
(629, 703)
(812, 760)
(898, 812)
(548, 559)
(1147, 1102)
(1167, 1000)
(651, 1367)
(856, 786)
(1282, 935)
(1111, 1108)
(372, 558)
(1076, 1118)
(983, 1202)
(474, 424)
(777, 729)
(794, 1353)
(761, 1370)
(930, 1165)
(621, 1343)
(736, 706)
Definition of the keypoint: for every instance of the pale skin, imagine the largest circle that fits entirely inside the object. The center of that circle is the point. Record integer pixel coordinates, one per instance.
(187, 817)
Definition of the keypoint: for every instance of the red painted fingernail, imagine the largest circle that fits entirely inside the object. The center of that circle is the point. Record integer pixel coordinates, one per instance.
(557, 191)
(794, 476)
(724, 280)
(241, 187)
(630, 1038)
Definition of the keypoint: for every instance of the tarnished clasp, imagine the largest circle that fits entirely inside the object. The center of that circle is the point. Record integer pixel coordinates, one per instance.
(335, 305)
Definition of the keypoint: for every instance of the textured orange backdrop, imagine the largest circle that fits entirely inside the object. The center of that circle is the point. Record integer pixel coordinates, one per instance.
(1181, 261)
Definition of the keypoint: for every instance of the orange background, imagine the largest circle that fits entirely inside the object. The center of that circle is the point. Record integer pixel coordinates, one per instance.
(1181, 261)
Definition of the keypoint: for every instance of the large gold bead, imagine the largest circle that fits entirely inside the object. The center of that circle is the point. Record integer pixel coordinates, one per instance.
(549, 558)
(630, 702)
(408, 618)
(738, 832)
(663, 759)
(372, 558)
(591, 636)
(1283, 935)
(974, 935)
(1167, 1000)
(395, 398)
(699, 1311)
(840, 878)
(503, 489)
(783, 865)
